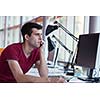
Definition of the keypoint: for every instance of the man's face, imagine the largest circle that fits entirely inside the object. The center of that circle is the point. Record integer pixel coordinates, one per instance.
(36, 38)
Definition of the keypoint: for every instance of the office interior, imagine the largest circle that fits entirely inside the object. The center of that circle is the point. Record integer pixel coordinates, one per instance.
(61, 47)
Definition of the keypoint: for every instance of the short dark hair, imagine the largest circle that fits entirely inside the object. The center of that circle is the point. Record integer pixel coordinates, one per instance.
(27, 28)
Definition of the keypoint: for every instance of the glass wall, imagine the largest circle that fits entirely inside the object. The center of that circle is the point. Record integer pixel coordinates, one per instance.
(76, 25)
(10, 30)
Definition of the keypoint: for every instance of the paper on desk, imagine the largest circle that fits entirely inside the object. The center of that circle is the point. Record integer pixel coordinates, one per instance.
(76, 80)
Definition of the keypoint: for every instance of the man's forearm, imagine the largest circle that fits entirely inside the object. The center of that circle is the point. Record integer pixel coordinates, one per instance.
(31, 79)
(43, 70)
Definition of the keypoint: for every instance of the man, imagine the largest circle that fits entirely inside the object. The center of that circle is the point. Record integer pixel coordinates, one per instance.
(18, 58)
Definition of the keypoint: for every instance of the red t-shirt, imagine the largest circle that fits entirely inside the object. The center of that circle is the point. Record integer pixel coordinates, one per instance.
(15, 52)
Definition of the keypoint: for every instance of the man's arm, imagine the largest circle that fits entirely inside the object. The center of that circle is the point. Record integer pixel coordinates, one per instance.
(43, 69)
(21, 77)
(41, 64)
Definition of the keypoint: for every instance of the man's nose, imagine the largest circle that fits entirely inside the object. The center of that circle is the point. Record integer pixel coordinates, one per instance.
(40, 36)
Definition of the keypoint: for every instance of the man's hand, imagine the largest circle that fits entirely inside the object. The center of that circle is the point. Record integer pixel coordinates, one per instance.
(42, 43)
(55, 79)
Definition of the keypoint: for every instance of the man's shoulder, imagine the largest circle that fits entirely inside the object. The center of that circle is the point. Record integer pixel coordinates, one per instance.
(13, 47)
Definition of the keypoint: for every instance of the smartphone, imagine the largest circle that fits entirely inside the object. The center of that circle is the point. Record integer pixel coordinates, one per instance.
(41, 43)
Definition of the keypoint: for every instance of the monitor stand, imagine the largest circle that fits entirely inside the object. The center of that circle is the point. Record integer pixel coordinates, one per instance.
(90, 78)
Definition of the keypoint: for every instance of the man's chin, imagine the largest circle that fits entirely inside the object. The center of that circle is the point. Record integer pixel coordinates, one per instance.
(37, 46)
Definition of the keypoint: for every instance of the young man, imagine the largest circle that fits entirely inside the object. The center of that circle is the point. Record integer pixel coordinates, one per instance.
(18, 58)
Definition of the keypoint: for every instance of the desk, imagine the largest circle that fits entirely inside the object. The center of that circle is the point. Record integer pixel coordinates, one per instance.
(55, 72)
(51, 72)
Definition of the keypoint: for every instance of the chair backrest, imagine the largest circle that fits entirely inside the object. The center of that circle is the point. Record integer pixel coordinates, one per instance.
(1, 50)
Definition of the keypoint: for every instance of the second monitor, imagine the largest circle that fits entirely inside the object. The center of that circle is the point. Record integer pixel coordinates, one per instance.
(88, 53)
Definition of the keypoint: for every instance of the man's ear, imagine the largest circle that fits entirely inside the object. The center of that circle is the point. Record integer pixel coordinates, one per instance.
(26, 37)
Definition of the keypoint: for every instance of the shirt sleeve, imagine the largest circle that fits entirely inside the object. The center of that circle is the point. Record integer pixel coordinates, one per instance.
(11, 53)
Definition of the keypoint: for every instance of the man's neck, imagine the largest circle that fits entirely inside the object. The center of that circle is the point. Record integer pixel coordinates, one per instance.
(27, 50)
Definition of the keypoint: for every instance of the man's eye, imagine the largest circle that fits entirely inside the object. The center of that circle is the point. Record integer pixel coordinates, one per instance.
(37, 34)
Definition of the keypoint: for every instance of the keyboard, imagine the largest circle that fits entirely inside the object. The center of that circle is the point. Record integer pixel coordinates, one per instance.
(91, 80)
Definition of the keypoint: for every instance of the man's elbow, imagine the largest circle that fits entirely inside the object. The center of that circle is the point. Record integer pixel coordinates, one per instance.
(20, 78)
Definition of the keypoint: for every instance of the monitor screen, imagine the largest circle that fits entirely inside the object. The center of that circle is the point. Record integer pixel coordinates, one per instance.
(87, 50)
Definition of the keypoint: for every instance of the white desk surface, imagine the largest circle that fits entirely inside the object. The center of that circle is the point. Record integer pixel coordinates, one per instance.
(53, 72)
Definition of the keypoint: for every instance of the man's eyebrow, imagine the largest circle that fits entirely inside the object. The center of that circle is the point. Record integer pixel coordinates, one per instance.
(38, 33)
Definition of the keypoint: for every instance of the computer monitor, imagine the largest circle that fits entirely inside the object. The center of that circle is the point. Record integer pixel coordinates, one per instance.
(87, 52)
